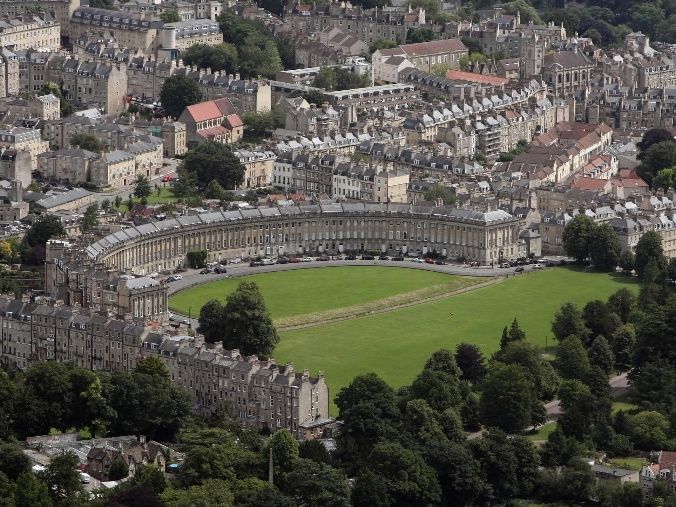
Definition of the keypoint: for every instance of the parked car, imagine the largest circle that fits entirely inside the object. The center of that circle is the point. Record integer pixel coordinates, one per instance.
(367, 257)
(205, 271)
(167, 177)
(324, 258)
(440, 262)
(178, 277)
(384, 257)
(538, 266)
(418, 260)
(429, 260)
(283, 260)
(350, 257)
(519, 269)
(180, 320)
(398, 258)
(307, 259)
(294, 260)
(505, 265)
(171, 279)
(154, 275)
(85, 478)
(220, 270)
(255, 263)
(267, 262)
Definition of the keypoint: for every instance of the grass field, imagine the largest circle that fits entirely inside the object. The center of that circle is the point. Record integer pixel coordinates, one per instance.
(165, 196)
(304, 291)
(395, 345)
(542, 432)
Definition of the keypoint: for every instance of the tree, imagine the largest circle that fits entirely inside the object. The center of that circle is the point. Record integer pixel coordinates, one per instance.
(577, 235)
(13, 461)
(666, 30)
(247, 324)
(314, 450)
(444, 361)
(649, 247)
(438, 388)
(214, 161)
(43, 229)
(572, 361)
(370, 490)
(149, 476)
(471, 362)
(438, 191)
(419, 35)
(222, 57)
(649, 430)
(284, 449)
(644, 17)
(529, 356)
(601, 355)
(408, 479)
(61, 477)
(654, 136)
(500, 465)
(197, 259)
(118, 470)
(185, 183)
(624, 341)
(259, 56)
(178, 92)
(627, 261)
(604, 247)
(7, 403)
(568, 321)
(459, 473)
(118, 201)
(210, 321)
(316, 484)
(622, 303)
(142, 189)
(170, 16)
(659, 156)
(509, 400)
(514, 334)
(66, 108)
(599, 319)
(31, 492)
(525, 9)
(153, 367)
(90, 219)
(581, 408)
(87, 142)
(210, 493)
(665, 179)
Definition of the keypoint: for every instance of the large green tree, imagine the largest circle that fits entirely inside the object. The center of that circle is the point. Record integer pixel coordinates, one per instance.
(572, 361)
(509, 399)
(62, 480)
(658, 156)
(649, 247)
(220, 57)
(247, 324)
(577, 235)
(604, 247)
(214, 161)
(178, 92)
(569, 321)
(471, 362)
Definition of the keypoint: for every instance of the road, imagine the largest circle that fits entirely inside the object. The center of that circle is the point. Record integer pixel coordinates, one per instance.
(192, 277)
(619, 384)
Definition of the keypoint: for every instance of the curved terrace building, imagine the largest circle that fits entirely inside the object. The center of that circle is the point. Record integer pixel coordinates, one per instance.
(331, 228)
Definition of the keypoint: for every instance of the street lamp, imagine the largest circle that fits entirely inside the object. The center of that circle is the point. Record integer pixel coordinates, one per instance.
(190, 317)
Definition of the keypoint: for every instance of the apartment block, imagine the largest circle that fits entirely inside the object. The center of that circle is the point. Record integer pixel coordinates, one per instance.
(30, 32)
(23, 139)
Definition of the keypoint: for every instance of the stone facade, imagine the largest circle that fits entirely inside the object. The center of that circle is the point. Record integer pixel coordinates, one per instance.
(30, 32)
(20, 138)
(259, 393)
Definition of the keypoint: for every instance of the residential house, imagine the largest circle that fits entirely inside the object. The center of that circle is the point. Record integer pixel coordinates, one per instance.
(214, 120)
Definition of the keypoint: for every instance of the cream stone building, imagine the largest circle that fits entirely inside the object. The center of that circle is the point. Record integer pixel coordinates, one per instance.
(30, 32)
(258, 393)
(43, 107)
(258, 167)
(67, 165)
(115, 168)
(20, 138)
(391, 186)
(9, 73)
(62, 10)
(484, 237)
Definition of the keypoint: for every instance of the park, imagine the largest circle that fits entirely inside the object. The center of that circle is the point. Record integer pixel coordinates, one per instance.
(395, 344)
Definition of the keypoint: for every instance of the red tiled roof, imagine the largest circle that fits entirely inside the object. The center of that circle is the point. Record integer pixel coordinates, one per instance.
(225, 106)
(212, 132)
(233, 120)
(434, 47)
(473, 77)
(667, 459)
(204, 111)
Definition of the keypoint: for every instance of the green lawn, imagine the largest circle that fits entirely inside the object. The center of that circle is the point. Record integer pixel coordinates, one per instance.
(304, 291)
(621, 405)
(629, 463)
(166, 195)
(542, 432)
(395, 345)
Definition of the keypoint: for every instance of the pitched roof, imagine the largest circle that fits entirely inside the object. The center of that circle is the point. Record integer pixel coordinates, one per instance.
(204, 111)
(473, 77)
(433, 47)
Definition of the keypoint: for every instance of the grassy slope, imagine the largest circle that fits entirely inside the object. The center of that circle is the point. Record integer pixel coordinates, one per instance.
(311, 290)
(395, 345)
